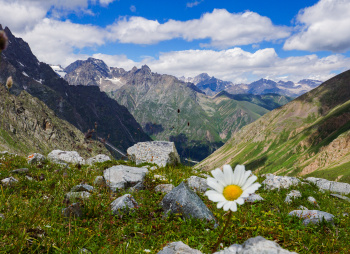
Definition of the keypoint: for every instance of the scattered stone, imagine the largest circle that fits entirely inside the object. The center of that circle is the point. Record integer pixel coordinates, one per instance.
(29, 178)
(292, 195)
(345, 214)
(165, 188)
(36, 158)
(20, 170)
(98, 158)
(74, 210)
(253, 198)
(123, 203)
(313, 201)
(123, 177)
(58, 156)
(4, 152)
(153, 168)
(197, 184)
(178, 248)
(302, 208)
(138, 186)
(9, 181)
(157, 152)
(182, 200)
(323, 184)
(41, 177)
(100, 181)
(82, 187)
(83, 250)
(76, 196)
(255, 245)
(341, 197)
(277, 182)
(2, 216)
(160, 177)
(313, 216)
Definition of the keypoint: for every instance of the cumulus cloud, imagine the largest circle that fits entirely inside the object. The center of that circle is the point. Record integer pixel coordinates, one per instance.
(224, 29)
(120, 61)
(193, 4)
(323, 26)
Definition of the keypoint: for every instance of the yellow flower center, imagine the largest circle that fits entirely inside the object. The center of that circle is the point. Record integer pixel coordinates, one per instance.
(232, 192)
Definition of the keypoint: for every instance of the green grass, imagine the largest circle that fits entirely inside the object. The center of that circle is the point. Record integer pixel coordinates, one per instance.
(33, 221)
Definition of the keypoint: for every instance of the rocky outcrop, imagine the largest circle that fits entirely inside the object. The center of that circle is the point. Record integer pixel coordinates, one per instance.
(157, 152)
(98, 158)
(279, 182)
(178, 248)
(323, 184)
(123, 203)
(58, 156)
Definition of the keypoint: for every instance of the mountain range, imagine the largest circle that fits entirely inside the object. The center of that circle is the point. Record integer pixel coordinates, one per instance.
(211, 86)
(308, 136)
(170, 109)
(85, 107)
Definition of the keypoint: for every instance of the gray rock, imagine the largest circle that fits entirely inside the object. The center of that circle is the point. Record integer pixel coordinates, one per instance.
(2, 216)
(292, 195)
(233, 249)
(99, 181)
(9, 181)
(323, 184)
(82, 187)
(98, 158)
(58, 156)
(302, 208)
(165, 188)
(20, 170)
(341, 197)
(279, 182)
(157, 152)
(312, 216)
(74, 210)
(253, 198)
(182, 200)
(76, 196)
(36, 158)
(29, 178)
(178, 248)
(313, 201)
(197, 184)
(123, 203)
(345, 214)
(123, 177)
(4, 152)
(83, 250)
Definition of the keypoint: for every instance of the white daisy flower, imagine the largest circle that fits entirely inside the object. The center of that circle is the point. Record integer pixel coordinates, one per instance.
(230, 188)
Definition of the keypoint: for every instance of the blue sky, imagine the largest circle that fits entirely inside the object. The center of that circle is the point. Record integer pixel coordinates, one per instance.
(240, 41)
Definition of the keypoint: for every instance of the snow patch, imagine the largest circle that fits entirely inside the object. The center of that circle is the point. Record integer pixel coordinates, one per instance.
(25, 74)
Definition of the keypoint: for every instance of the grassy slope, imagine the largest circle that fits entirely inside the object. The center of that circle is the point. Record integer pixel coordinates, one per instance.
(309, 135)
(33, 221)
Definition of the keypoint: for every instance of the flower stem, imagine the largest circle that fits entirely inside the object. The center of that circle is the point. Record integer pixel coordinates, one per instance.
(223, 232)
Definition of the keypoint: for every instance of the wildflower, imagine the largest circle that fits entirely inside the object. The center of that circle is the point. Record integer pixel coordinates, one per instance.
(9, 82)
(230, 188)
(3, 40)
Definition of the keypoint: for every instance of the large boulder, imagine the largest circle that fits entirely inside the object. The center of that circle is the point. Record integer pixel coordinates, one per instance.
(98, 158)
(197, 184)
(323, 184)
(58, 156)
(182, 200)
(122, 177)
(157, 152)
(279, 182)
(178, 248)
(312, 216)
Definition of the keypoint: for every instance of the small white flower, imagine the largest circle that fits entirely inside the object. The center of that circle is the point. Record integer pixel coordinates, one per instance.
(147, 250)
(230, 188)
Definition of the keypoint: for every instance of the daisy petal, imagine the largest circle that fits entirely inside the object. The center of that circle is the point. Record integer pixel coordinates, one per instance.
(242, 167)
(227, 205)
(214, 184)
(219, 176)
(233, 207)
(252, 188)
(245, 177)
(221, 204)
(237, 174)
(228, 174)
(240, 201)
(249, 182)
(214, 196)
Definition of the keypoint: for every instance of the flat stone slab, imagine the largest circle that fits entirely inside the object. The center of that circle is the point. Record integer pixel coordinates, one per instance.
(279, 182)
(157, 152)
(123, 203)
(312, 216)
(182, 200)
(197, 184)
(256, 245)
(98, 158)
(323, 184)
(58, 156)
(178, 248)
(36, 158)
(122, 177)
(341, 197)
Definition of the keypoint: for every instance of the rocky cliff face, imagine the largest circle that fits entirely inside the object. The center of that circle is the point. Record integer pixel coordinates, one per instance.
(310, 135)
(82, 106)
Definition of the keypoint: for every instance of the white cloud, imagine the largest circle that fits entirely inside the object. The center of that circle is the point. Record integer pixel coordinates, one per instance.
(193, 4)
(224, 29)
(132, 8)
(120, 61)
(323, 26)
